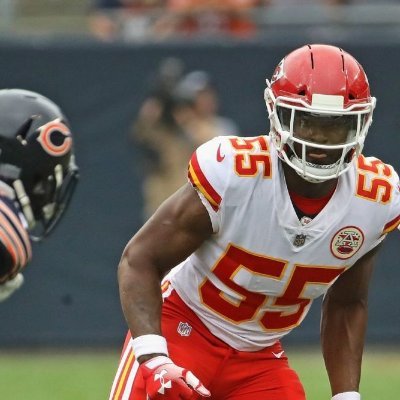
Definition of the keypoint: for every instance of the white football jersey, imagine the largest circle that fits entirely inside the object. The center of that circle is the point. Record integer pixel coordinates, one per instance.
(254, 280)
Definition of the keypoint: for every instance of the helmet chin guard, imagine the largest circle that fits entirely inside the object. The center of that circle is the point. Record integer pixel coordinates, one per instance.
(315, 173)
(303, 97)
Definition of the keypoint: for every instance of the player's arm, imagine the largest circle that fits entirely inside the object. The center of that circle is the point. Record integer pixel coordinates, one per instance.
(177, 228)
(343, 327)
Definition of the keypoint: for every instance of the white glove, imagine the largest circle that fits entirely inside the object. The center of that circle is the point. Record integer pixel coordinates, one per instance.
(347, 396)
(9, 287)
(166, 381)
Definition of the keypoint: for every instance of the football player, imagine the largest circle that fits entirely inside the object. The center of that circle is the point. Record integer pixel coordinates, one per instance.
(38, 175)
(265, 225)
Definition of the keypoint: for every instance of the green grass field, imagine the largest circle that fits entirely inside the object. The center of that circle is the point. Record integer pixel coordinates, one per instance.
(88, 375)
(380, 375)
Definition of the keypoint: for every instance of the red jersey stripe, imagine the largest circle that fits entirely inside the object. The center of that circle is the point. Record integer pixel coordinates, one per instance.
(392, 225)
(198, 179)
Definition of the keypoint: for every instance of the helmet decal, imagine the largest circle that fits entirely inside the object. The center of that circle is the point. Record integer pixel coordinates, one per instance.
(279, 72)
(46, 138)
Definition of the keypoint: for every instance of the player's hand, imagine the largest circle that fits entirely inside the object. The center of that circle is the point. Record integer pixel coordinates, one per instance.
(9, 287)
(166, 381)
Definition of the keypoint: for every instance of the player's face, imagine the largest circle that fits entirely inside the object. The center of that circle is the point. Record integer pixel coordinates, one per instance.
(322, 130)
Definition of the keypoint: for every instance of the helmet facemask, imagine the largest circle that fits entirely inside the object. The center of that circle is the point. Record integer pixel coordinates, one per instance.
(332, 134)
(45, 202)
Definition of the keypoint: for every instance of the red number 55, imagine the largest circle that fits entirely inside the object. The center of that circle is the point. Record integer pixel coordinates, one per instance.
(378, 189)
(285, 312)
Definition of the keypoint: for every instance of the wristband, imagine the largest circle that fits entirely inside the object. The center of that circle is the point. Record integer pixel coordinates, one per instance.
(347, 396)
(149, 344)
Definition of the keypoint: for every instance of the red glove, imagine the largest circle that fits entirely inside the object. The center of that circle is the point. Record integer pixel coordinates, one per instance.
(166, 381)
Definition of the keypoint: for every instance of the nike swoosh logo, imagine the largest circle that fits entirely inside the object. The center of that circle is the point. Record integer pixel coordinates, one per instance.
(278, 355)
(220, 157)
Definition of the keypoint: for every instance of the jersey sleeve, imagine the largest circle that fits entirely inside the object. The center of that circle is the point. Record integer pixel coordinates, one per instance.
(15, 246)
(209, 173)
(393, 219)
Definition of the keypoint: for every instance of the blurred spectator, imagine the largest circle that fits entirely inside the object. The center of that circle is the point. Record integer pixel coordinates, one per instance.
(180, 113)
(196, 109)
(163, 147)
(127, 19)
(210, 17)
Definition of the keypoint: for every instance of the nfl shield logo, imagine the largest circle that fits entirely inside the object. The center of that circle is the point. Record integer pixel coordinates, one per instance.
(299, 240)
(184, 329)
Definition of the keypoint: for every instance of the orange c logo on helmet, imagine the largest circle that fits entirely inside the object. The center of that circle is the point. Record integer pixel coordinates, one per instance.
(48, 144)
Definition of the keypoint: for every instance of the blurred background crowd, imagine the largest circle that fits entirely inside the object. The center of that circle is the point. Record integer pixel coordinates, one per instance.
(163, 20)
(180, 113)
(159, 20)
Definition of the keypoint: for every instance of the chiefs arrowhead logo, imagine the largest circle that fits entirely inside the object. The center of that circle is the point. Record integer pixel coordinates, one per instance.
(346, 242)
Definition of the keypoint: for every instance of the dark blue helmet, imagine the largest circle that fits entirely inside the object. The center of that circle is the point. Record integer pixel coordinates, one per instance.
(36, 157)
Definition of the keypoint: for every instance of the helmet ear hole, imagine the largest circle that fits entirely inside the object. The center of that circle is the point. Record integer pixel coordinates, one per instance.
(351, 96)
(302, 93)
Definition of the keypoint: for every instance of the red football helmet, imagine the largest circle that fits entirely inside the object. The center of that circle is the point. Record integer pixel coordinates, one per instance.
(319, 87)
